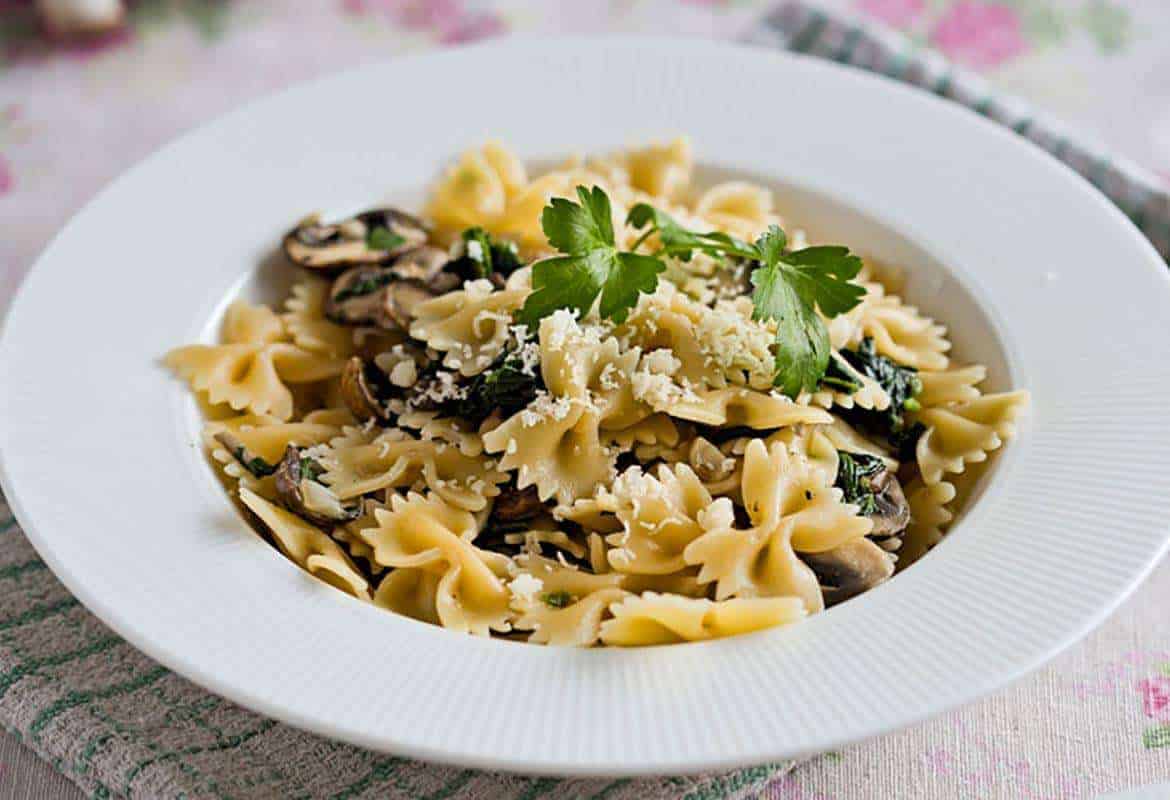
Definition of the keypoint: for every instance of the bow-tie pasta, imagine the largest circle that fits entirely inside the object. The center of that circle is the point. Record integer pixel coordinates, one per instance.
(559, 407)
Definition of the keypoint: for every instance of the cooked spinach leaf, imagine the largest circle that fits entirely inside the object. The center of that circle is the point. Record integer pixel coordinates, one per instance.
(311, 469)
(382, 238)
(483, 254)
(509, 384)
(901, 383)
(557, 599)
(365, 286)
(853, 473)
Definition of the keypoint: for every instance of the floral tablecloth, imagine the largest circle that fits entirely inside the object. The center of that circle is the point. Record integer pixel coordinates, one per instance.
(74, 116)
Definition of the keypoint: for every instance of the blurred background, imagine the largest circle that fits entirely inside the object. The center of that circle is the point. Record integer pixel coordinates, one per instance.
(88, 87)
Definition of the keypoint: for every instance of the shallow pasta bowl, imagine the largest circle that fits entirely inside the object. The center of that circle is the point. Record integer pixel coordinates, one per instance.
(1035, 273)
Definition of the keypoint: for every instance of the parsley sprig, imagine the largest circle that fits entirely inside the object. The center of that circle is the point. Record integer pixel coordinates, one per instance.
(591, 265)
(789, 285)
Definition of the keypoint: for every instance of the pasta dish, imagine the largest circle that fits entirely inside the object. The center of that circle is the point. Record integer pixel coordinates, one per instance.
(598, 405)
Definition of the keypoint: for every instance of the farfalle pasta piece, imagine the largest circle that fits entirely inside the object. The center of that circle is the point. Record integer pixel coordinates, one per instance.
(652, 618)
(902, 333)
(349, 534)
(661, 514)
(307, 546)
(411, 592)
(656, 429)
(965, 433)
(249, 436)
(474, 191)
(870, 396)
(792, 507)
(661, 170)
(470, 326)
(561, 604)
(929, 517)
(737, 406)
(812, 443)
(367, 461)
(424, 533)
(738, 207)
(844, 437)
(305, 320)
(250, 370)
(667, 321)
(951, 386)
(555, 443)
(451, 430)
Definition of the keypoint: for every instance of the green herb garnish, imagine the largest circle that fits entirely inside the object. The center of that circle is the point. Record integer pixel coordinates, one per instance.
(484, 254)
(853, 472)
(789, 286)
(365, 286)
(311, 469)
(900, 383)
(508, 385)
(557, 599)
(591, 265)
(839, 379)
(382, 238)
(255, 465)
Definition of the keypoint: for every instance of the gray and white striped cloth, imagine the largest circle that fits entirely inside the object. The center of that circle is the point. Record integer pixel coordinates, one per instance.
(806, 28)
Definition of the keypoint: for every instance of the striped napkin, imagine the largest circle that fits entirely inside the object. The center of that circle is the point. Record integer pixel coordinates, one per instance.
(806, 28)
(119, 725)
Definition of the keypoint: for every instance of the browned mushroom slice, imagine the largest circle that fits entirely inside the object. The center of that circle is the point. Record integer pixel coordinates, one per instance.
(401, 299)
(359, 391)
(850, 569)
(892, 513)
(302, 495)
(357, 297)
(422, 265)
(375, 296)
(372, 237)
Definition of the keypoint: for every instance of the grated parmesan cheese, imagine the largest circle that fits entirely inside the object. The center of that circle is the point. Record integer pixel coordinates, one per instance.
(524, 587)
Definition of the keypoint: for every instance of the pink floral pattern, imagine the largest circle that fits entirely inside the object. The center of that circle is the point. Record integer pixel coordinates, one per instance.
(1156, 698)
(895, 13)
(450, 21)
(979, 35)
(7, 178)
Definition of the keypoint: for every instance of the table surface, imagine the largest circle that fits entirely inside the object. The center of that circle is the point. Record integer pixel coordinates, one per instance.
(73, 117)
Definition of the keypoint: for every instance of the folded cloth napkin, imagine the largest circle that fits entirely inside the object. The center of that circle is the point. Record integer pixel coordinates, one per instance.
(806, 28)
(120, 725)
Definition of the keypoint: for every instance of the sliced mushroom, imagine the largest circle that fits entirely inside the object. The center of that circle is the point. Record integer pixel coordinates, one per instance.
(358, 297)
(401, 299)
(893, 512)
(424, 265)
(306, 498)
(516, 504)
(850, 569)
(375, 296)
(349, 242)
(359, 389)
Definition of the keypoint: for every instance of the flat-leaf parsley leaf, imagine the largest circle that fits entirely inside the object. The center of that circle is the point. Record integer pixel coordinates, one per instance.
(591, 264)
(789, 286)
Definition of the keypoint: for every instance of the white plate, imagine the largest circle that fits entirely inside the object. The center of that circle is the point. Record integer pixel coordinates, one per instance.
(1036, 273)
